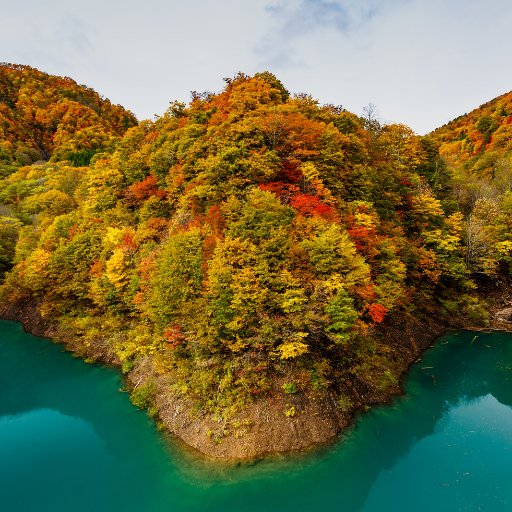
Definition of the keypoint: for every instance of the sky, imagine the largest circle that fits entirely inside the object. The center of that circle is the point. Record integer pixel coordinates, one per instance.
(421, 62)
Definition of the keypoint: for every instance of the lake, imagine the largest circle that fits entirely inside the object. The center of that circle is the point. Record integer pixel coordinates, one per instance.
(71, 440)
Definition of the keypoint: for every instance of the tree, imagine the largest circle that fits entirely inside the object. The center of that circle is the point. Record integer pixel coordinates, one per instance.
(9, 229)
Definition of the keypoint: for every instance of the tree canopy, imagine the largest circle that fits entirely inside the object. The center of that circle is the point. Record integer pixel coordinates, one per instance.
(247, 234)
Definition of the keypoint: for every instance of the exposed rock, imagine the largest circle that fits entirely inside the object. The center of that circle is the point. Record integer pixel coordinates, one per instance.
(504, 315)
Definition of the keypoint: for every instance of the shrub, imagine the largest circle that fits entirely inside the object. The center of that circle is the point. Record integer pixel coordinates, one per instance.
(289, 388)
(143, 395)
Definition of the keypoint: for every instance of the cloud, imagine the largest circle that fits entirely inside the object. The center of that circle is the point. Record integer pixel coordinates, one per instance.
(44, 37)
(305, 15)
(299, 17)
(296, 21)
(421, 62)
(74, 33)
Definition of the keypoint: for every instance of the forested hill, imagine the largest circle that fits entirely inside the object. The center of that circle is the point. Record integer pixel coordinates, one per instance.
(248, 245)
(44, 116)
(486, 130)
(478, 150)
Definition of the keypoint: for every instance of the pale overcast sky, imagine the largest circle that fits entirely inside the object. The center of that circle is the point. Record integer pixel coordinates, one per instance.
(422, 62)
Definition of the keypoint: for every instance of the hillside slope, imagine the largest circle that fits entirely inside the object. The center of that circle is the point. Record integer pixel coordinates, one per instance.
(44, 116)
(478, 149)
(259, 265)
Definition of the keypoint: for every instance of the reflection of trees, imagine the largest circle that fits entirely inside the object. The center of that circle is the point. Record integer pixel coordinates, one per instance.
(40, 375)
(462, 371)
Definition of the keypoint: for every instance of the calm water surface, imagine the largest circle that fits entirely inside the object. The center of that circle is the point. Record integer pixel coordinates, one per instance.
(71, 441)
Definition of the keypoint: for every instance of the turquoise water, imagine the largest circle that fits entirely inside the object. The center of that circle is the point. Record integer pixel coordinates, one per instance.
(71, 441)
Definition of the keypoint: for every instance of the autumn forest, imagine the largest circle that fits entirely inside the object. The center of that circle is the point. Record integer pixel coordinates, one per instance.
(250, 245)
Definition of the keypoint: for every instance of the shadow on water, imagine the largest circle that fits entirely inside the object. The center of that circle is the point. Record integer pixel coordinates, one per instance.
(458, 372)
(93, 441)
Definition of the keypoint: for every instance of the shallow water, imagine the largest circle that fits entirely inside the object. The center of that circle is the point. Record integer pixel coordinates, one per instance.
(70, 440)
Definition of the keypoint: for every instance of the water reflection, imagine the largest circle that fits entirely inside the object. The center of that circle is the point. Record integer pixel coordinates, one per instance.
(445, 445)
(457, 467)
(458, 375)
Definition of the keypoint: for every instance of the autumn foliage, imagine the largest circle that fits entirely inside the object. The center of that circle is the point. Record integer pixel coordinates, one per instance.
(44, 116)
(245, 235)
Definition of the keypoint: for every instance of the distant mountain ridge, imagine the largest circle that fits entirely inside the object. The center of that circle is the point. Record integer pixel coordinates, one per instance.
(487, 130)
(478, 150)
(44, 116)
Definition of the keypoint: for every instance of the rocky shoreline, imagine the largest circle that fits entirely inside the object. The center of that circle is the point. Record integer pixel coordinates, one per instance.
(276, 424)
